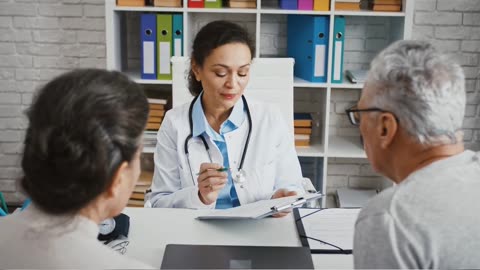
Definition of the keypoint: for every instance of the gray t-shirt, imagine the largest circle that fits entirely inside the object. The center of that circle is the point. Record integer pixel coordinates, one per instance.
(430, 220)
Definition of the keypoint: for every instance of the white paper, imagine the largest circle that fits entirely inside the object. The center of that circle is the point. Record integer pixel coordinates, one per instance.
(333, 225)
(177, 51)
(319, 65)
(164, 57)
(337, 73)
(148, 57)
(254, 210)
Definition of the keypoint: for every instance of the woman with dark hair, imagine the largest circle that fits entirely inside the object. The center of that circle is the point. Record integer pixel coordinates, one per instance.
(81, 162)
(220, 151)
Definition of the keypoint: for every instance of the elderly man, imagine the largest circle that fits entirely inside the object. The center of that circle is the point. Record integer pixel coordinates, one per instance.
(410, 115)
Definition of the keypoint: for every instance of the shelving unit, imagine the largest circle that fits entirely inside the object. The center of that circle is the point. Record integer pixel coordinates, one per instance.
(267, 24)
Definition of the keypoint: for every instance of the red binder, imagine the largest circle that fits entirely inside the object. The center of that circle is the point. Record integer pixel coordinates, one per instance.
(196, 3)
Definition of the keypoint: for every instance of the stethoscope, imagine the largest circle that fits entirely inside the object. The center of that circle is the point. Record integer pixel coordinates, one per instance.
(240, 174)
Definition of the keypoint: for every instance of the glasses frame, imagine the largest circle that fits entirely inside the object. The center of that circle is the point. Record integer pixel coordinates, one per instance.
(352, 110)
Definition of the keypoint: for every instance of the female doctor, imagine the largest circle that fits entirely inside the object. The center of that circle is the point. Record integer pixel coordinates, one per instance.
(221, 129)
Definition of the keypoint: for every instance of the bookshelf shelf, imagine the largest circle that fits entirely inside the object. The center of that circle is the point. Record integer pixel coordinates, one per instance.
(368, 13)
(267, 25)
(150, 9)
(316, 150)
(135, 75)
(149, 149)
(298, 82)
(271, 10)
(345, 147)
(222, 10)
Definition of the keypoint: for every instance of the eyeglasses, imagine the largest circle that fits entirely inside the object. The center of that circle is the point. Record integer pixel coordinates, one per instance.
(353, 114)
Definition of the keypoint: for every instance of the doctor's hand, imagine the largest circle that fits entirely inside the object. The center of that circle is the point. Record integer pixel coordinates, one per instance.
(283, 193)
(210, 182)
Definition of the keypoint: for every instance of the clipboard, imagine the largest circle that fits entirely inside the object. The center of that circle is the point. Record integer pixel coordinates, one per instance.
(307, 221)
(260, 209)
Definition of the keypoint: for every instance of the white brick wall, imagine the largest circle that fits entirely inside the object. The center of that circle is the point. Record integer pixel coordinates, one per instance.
(41, 39)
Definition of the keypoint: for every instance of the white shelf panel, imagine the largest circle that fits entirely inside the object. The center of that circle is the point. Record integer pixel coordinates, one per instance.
(347, 85)
(345, 147)
(297, 82)
(273, 10)
(315, 150)
(151, 9)
(369, 13)
(135, 75)
(223, 10)
(148, 149)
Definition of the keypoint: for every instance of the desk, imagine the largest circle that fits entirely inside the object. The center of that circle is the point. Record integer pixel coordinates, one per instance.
(151, 229)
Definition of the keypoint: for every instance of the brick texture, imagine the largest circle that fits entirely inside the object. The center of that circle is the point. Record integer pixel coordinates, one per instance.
(39, 40)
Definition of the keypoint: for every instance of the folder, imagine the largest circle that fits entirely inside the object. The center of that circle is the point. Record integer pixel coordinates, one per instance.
(260, 209)
(148, 35)
(288, 4)
(338, 48)
(213, 3)
(196, 3)
(321, 5)
(177, 35)
(164, 36)
(307, 42)
(131, 3)
(305, 4)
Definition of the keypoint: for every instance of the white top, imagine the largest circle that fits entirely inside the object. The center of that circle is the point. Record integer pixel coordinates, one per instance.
(34, 239)
(271, 162)
(429, 220)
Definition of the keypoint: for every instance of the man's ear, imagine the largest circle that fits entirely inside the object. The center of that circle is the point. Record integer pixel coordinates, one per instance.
(387, 129)
(195, 69)
(114, 189)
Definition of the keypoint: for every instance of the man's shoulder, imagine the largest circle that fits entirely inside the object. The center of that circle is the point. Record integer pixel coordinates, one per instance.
(378, 205)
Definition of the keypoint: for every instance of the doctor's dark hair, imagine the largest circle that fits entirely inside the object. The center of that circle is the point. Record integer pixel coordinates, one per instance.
(82, 126)
(210, 37)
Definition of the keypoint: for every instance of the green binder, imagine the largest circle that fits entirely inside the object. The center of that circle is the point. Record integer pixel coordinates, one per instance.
(213, 3)
(164, 37)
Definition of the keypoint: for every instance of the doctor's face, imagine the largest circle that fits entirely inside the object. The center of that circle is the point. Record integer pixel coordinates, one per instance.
(224, 75)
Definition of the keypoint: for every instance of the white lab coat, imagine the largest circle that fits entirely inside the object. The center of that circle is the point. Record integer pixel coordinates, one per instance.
(271, 161)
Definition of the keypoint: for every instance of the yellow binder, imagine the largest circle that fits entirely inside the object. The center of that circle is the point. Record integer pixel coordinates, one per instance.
(164, 37)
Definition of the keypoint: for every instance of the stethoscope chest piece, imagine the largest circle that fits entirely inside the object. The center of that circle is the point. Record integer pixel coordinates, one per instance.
(240, 177)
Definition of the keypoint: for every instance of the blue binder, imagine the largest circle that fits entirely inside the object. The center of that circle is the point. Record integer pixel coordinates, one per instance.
(177, 44)
(307, 42)
(288, 4)
(338, 48)
(148, 24)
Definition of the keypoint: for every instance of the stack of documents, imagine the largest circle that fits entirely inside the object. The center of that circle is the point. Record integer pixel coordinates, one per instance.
(357, 76)
(156, 113)
(242, 3)
(302, 128)
(347, 5)
(138, 196)
(385, 5)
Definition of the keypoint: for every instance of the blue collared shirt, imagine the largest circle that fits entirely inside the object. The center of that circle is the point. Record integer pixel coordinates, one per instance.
(227, 198)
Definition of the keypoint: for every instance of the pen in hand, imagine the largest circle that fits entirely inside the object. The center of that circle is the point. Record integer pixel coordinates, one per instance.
(218, 170)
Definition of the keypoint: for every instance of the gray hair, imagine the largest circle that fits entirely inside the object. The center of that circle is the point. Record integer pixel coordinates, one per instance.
(422, 87)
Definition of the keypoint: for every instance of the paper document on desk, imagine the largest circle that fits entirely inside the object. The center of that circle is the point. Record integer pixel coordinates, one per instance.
(260, 209)
(332, 225)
